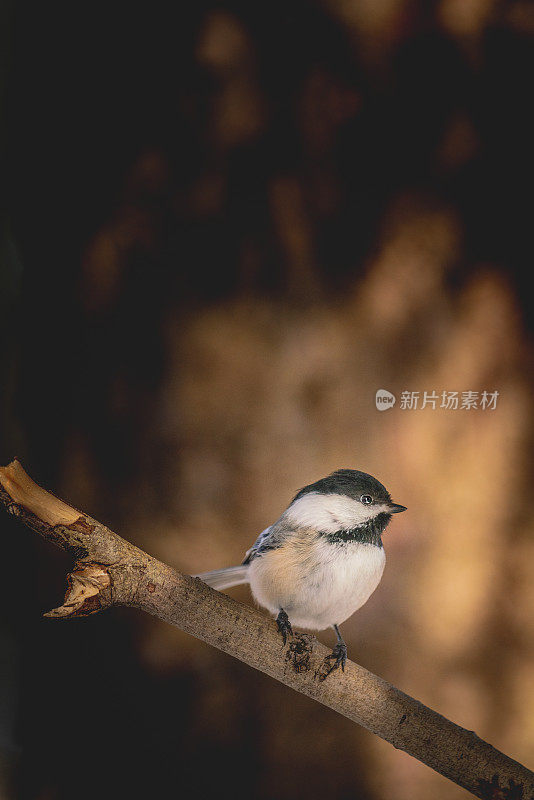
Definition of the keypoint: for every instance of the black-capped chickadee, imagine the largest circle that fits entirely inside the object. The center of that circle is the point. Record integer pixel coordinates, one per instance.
(322, 560)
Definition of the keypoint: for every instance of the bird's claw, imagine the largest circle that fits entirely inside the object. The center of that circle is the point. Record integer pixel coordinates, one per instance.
(284, 625)
(339, 655)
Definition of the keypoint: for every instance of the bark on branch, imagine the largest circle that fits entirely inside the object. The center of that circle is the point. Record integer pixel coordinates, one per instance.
(110, 571)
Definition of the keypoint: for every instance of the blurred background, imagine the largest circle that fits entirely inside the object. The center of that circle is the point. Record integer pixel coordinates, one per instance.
(225, 226)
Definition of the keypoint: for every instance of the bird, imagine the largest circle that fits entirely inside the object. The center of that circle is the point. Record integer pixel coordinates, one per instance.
(321, 560)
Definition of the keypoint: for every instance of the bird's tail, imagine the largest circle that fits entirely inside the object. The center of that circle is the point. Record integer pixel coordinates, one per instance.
(224, 578)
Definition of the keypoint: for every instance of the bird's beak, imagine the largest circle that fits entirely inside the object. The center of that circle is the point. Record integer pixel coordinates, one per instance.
(395, 508)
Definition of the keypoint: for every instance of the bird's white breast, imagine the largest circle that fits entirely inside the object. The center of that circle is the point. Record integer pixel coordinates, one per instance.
(323, 587)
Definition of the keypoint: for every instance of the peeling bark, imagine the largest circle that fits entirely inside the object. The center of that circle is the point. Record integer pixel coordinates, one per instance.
(85, 594)
(111, 571)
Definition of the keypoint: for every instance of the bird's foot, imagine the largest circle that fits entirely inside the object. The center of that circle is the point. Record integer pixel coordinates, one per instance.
(338, 656)
(284, 625)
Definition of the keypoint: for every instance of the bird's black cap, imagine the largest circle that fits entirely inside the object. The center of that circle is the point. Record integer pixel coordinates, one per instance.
(349, 482)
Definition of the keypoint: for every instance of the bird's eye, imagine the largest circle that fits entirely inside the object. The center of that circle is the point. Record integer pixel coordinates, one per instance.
(366, 499)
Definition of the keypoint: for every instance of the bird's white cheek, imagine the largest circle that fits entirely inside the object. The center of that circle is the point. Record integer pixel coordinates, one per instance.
(329, 512)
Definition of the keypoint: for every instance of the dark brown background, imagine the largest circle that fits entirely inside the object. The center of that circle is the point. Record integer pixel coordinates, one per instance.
(224, 227)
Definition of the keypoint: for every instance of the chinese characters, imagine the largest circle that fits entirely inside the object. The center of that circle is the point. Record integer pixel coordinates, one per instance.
(452, 401)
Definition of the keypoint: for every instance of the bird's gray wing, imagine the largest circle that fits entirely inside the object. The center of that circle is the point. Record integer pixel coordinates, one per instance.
(269, 539)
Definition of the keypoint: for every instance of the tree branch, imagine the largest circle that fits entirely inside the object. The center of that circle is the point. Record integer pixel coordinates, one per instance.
(110, 571)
